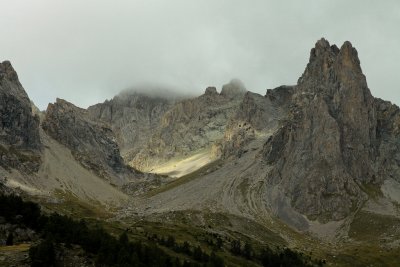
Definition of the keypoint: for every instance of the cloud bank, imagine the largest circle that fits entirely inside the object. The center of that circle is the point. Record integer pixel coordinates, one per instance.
(87, 51)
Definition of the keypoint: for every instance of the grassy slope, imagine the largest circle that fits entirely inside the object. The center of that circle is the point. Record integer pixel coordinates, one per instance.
(366, 247)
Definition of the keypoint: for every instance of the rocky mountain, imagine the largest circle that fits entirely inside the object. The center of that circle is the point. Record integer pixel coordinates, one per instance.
(329, 148)
(19, 133)
(72, 156)
(326, 147)
(309, 166)
(133, 117)
(191, 126)
(316, 155)
(154, 130)
(255, 116)
(93, 144)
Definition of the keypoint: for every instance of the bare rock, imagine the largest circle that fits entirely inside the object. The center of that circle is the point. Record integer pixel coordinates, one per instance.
(327, 145)
(92, 143)
(190, 125)
(133, 117)
(19, 132)
(211, 91)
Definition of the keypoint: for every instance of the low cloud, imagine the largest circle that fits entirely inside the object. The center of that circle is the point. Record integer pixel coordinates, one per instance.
(88, 51)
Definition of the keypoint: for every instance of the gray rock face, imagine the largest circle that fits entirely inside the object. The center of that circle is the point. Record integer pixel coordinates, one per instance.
(255, 115)
(387, 162)
(19, 131)
(211, 91)
(343, 88)
(133, 117)
(93, 144)
(191, 125)
(281, 95)
(19, 127)
(327, 146)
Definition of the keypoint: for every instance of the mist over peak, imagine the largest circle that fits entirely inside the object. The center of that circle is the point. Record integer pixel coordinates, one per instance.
(93, 57)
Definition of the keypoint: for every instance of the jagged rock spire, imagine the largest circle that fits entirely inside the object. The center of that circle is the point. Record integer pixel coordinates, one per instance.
(328, 63)
(328, 144)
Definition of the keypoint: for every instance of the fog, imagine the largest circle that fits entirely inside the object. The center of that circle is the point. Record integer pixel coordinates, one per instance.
(88, 51)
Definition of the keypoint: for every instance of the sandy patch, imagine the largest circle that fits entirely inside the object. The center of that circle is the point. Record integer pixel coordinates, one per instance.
(178, 168)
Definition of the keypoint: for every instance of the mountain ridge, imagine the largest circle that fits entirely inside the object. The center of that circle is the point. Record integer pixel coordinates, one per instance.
(307, 161)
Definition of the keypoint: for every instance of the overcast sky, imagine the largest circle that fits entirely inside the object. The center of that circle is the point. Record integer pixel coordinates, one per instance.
(86, 51)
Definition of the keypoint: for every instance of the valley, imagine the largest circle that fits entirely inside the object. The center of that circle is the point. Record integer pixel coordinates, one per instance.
(308, 171)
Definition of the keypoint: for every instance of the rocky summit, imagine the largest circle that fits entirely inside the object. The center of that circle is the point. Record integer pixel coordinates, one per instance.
(312, 168)
(329, 147)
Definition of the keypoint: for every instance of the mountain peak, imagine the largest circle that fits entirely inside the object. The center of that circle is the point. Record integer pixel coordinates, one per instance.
(233, 88)
(322, 43)
(323, 49)
(327, 62)
(7, 71)
(348, 57)
(211, 90)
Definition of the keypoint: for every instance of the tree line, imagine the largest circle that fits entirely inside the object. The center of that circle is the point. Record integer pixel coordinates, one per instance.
(108, 250)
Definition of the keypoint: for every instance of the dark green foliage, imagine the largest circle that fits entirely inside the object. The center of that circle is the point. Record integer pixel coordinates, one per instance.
(270, 258)
(10, 239)
(215, 260)
(43, 254)
(286, 258)
(247, 251)
(17, 211)
(111, 251)
(170, 242)
(196, 253)
(219, 243)
(55, 229)
(236, 247)
(185, 248)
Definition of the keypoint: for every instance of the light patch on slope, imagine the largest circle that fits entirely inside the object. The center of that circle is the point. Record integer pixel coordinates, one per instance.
(60, 170)
(180, 167)
(327, 231)
(25, 187)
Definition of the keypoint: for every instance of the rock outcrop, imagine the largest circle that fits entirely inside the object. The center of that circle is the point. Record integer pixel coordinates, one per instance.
(255, 116)
(191, 125)
(326, 148)
(387, 162)
(133, 117)
(19, 132)
(92, 143)
(235, 88)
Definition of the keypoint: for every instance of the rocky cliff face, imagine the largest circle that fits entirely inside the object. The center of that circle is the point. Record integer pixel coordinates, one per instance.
(310, 154)
(326, 149)
(191, 125)
(387, 162)
(19, 127)
(92, 143)
(254, 118)
(133, 117)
